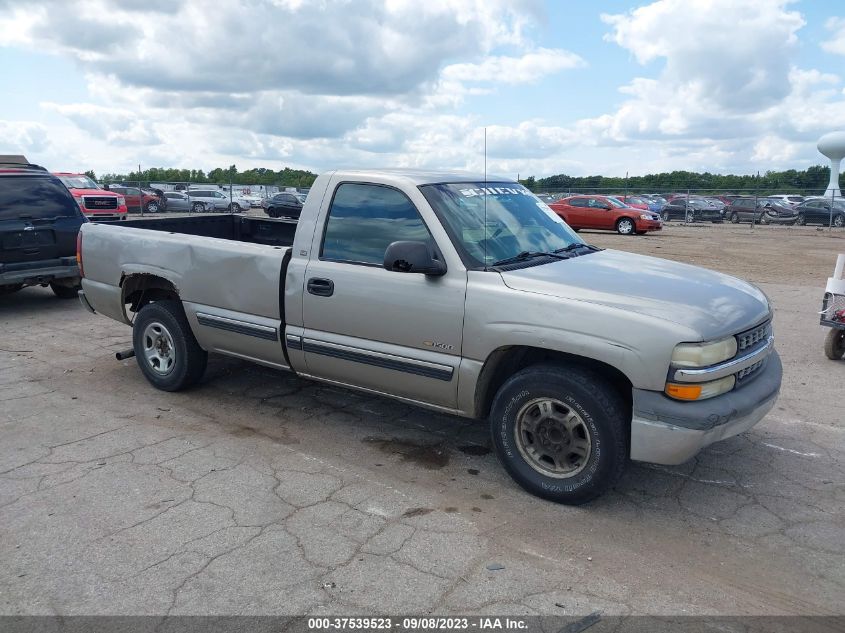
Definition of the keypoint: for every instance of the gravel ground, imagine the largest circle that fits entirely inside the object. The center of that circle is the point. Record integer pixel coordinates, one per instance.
(261, 493)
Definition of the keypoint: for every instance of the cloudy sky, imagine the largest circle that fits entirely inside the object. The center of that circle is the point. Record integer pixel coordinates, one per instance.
(561, 86)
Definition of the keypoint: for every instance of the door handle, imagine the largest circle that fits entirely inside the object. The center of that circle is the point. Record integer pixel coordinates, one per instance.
(321, 287)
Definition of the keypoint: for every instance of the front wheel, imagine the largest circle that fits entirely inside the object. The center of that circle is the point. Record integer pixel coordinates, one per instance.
(560, 432)
(234, 208)
(165, 348)
(152, 207)
(665, 216)
(839, 221)
(800, 220)
(198, 207)
(834, 344)
(625, 226)
(690, 218)
(734, 218)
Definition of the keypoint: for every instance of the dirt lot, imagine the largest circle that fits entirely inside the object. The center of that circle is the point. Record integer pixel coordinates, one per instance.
(262, 493)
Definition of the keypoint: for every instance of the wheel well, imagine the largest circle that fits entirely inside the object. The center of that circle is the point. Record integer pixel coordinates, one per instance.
(143, 288)
(506, 361)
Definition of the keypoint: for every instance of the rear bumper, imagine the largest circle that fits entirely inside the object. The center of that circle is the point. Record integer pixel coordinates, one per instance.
(38, 272)
(84, 301)
(666, 431)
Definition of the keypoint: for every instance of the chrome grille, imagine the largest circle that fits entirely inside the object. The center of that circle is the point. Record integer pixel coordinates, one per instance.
(744, 373)
(752, 337)
(100, 202)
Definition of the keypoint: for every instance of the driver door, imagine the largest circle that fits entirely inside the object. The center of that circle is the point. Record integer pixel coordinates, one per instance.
(393, 332)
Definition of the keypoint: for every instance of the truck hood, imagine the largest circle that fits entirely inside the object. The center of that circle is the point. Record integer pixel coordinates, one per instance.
(709, 303)
(92, 192)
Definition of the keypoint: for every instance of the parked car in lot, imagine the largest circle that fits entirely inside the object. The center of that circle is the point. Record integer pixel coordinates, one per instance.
(790, 199)
(285, 204)
(694, 210)
(605, 212)
(137, 199)
(219, 200)
(398, 282)
(821, 211)
(761, 210)
(633, 202)
(181, 202)
(39, 224)
(96, 203)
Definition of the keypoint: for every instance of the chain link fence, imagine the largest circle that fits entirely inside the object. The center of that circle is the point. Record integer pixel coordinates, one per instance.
(147, 197)
(711, 206)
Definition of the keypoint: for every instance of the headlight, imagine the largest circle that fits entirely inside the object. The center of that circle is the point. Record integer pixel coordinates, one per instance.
(645, 217)
(81, 203)
(121, 201)
(700, 391)
(703, 354)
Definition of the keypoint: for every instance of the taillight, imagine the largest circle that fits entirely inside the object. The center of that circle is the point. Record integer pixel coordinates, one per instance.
(79, 254)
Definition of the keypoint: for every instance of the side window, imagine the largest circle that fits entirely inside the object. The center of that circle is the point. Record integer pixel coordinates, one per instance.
(578, 202)
(364, 220)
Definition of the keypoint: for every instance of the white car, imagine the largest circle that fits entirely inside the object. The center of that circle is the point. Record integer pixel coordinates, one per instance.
(254, 200)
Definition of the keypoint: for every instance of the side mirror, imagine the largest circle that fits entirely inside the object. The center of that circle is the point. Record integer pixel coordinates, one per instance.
(413, 257)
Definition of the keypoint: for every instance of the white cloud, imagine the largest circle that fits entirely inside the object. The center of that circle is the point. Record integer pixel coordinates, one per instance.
(514, 70)
(836, 44)
(22, 137)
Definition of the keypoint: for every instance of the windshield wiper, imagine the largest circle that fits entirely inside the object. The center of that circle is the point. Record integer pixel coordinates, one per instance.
(525, 255)
(575, 245)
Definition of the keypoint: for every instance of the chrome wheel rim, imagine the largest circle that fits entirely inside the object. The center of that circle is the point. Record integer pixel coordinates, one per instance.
(152, 207)
(159, 351)
(626, 226)
(552, 438)
(838, 221)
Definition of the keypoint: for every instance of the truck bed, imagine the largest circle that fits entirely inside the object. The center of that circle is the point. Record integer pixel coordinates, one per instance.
(239, 228)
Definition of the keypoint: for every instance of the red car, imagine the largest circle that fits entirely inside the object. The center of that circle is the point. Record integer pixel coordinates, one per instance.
(603, 212)
(96, 204)
(632, 202)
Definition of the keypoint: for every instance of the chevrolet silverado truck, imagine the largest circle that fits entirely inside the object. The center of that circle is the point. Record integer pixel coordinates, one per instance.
(461, 294)
(96, 203)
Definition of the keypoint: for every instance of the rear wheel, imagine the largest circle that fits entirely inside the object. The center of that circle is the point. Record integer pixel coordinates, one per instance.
(834, 344)
(152, 207)
(665, 216)
(560, 432)
(64, 291)
(625, 226)
(690, 217)
(801, 220)
(165, 347)
(198, 207)
(734, 218)
(839, 221)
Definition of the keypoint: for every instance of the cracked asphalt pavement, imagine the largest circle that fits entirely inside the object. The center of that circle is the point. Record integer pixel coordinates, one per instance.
(261, 493)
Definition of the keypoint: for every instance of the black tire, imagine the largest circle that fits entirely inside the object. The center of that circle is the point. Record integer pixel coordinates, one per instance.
(734, 218)
(763, 219)
(152, 207)
(625, 226)
(665, 216)
(601, 418)
(690, 217)
(10, 288)
(839, 221)
(234, 207)
(834, 344)
(272, 212)
(801, 220)
(185, 360)
(65, 292)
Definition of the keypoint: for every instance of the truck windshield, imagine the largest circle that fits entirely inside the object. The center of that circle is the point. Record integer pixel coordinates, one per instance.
(78, 182)
(515, 221)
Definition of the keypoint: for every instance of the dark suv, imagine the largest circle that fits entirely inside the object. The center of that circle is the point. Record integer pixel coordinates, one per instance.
(39, 222)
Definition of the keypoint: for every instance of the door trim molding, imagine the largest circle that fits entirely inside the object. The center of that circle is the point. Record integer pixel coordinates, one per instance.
(238, 327)
(376, 359)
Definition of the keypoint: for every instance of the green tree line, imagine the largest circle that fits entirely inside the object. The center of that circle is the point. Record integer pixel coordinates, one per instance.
(285, 177)
(812, 179)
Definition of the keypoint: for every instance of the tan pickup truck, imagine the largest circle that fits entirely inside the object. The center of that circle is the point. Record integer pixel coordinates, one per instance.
(460, 294)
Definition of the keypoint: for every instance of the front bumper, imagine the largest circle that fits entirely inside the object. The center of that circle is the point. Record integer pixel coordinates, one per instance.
(666, 431)
(649, 225)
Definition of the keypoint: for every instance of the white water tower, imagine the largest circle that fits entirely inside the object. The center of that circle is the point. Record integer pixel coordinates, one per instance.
(832, 145)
